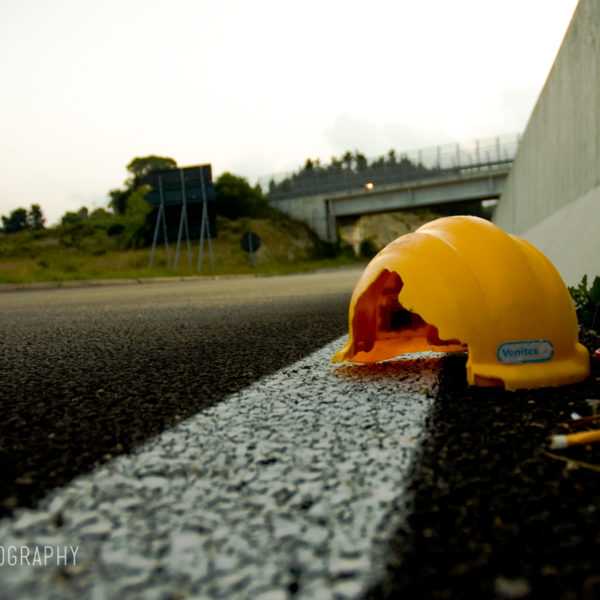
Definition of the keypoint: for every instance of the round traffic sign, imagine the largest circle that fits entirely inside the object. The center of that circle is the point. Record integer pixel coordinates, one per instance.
(250, 242)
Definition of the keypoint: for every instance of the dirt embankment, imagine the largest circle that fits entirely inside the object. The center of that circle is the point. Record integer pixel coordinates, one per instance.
(383, 228)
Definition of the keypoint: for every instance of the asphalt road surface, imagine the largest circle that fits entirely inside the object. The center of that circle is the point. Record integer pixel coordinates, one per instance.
(89, 373)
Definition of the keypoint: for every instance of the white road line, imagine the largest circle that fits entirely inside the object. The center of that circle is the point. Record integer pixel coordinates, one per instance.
(289, 487)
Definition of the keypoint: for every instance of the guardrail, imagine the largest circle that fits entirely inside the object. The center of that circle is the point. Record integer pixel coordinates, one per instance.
(354, 171)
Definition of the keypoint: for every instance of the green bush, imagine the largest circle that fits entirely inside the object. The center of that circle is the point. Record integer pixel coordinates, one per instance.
(368, 249)
(347, 250)
(587, 301)
(236, 198)
(115, 229)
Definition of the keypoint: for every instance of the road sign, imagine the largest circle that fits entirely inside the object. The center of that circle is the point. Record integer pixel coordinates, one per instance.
(250, 243)
(186, 196)
(193, 185)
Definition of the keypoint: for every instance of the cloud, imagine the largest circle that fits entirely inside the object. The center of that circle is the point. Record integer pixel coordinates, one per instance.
(351, 132)
(251, 166)
(515, 105)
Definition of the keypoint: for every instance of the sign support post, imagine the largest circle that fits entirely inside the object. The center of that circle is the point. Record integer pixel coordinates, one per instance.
(185, 205)
(250, 242)
(161, 215)
(205, 227)
(183, 221)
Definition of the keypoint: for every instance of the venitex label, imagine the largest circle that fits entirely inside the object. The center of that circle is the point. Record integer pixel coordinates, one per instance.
(524, 352)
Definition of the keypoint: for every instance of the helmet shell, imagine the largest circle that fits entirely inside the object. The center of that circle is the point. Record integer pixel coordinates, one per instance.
(461, 283)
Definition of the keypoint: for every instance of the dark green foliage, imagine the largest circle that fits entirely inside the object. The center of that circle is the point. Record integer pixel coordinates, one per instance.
(100, 214)
(132, 228)
(80, 233)
(587, 301)
(361, 162)
(71, 218)
(236, 198)
(118, 200)
(351, 170)
(35, 218)
(134, 214)
(368, 249)
(346, 250)
(135, 234)
(17, 221)
(309, 165)
(20, 220)
(137, 222)
(115, 229)
(140, 167)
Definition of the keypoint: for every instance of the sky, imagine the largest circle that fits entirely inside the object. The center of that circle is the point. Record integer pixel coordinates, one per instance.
(253, 87)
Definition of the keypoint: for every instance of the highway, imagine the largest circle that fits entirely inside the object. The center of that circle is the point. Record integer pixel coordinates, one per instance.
(191, 439)
(89, 373)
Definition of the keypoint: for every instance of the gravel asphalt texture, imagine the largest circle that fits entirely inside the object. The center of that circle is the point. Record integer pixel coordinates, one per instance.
(494, 515)
(85, 378)
(288, 488)
(90, 373)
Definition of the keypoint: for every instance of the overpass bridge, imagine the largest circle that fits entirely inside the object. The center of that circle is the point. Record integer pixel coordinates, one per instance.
(430, 177)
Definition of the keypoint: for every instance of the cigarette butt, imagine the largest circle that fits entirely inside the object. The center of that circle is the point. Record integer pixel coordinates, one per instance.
(558, 442)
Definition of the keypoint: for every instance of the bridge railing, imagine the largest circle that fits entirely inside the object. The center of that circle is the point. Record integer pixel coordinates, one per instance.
(356, 171)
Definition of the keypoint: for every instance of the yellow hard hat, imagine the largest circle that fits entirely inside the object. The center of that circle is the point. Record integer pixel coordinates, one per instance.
(461, 283)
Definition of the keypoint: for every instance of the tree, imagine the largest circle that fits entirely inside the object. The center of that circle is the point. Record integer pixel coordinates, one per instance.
(100, 214)
(69, 218)
(140, 167)
(336, 165)
(118, 200)
(347, 160)
(236, 198)
(17, 221)
(136, 220)
(20, 220)
(378, 164)
(361, 161)
(35, 218)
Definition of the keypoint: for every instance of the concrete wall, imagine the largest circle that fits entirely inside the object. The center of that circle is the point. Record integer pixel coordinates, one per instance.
(571, 239)
(558, 160)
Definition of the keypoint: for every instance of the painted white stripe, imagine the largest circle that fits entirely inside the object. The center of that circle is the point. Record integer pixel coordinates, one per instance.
(293, 484)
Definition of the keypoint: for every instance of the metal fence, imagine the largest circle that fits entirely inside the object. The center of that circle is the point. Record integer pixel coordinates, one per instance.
(354, 172)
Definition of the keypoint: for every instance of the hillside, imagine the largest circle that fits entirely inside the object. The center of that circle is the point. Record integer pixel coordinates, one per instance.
(93, 251)
(381, 229)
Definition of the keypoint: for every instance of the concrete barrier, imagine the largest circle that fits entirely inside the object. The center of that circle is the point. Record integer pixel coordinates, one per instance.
(570, 237)
(551, 196)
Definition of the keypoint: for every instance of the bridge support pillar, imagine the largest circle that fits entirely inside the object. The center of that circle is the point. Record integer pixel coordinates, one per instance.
(331, 221)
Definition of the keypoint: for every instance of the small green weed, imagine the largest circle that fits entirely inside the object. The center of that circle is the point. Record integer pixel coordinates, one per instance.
(587, 301)
(368, 249)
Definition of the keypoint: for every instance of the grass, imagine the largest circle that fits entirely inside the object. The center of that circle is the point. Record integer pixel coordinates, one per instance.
(134, 264)
(59, 255)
